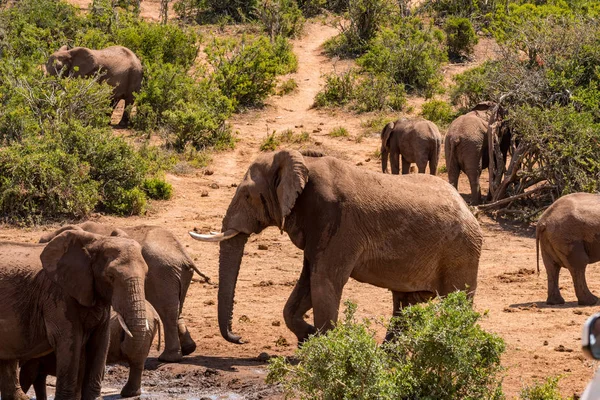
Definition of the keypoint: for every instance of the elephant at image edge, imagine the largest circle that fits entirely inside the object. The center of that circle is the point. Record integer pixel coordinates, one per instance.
(412, 234)
(568, 233)
(121, 348)
(120, 67)
(170, 271)
(417, 140)
(57, 297)
(466, 147)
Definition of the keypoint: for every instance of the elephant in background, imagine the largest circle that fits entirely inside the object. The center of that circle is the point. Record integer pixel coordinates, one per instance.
(120, 68)
(121, 348)
(417, 140)
(466, 147)
(412, 234)
(56, 297)
(568, 233)
(170, 271)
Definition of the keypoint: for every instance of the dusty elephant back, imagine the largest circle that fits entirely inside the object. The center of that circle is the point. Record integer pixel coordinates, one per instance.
(575, 216)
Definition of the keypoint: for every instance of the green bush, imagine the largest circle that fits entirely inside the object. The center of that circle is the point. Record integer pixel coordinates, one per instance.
(270, 143)
(544, 391)
(157, 189)
(460, 36)
(337, 91)
(475, 85)
(286, 87)
(311, 8)
(246, 68)
(280, 17)
(438, 111)
(440, 352)
(340, 131)
(410, 53)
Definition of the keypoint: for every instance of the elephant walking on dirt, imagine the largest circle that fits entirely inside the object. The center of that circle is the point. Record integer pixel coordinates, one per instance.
(170, 271)
(417, 140)
(466, 147)
(56, 297)
(122, 348)
(120, 68)
(412, 234)
(568, 234)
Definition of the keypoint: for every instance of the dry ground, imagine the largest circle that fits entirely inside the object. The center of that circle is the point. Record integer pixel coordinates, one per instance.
(541, 340)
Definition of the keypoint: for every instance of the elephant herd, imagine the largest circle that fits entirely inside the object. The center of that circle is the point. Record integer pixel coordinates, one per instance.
(90, 294)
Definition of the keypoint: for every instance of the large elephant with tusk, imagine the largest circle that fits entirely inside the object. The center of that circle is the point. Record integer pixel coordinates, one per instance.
(412, 234)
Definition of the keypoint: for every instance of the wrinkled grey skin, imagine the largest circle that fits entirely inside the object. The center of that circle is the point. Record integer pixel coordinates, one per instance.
(417, 140)
(122, 348)
(170, 272)
(120, 66)
(466, 147)
(568, 233)
(412, 234)
(57, 297)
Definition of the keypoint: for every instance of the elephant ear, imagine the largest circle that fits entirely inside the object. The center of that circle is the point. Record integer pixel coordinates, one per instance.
(484, 106)
(386, 134)
(49, 236)
(68, 263)
(291, 176)
(65, 48)
(119, 233)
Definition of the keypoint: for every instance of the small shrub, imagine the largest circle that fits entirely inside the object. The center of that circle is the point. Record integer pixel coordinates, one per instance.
(280, 17)
(547, 390)
(438, 111)
(442, 169)
(440, 353)
(286, 87)
(270, 143)
(288, 136)
(157, 189)
(338, 90)
(378, 92)
(311, 8)
(460, 36)
(340, 131)
(127, 202)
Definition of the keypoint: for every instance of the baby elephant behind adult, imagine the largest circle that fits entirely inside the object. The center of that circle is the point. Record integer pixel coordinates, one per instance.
(122, 348)
(170, 272)
(417, 140)
(120, 68)
(57, 298)
(568, 233)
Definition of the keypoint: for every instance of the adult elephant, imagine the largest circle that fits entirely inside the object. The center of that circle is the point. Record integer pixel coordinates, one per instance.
(118, 65)
(170, 271)
(417, 140)
(466, 147)
(122, 348)
(57, 297)
(412, 234)
(569, 235)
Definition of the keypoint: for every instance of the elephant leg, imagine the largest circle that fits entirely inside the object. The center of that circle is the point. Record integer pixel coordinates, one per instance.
(125, 118)
(10, 389)
(188, 346)
(433, 165)
(553, 272)
(39, 385)
(299, 303)
(33, 373)
(169, 316)
(473, 176)
(96, 350)
(395, 162)
(422, 166)
(405, 167)
(577, 263)
(453, 173)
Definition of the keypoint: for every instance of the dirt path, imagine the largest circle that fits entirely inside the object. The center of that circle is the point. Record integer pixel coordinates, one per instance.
(541, 341)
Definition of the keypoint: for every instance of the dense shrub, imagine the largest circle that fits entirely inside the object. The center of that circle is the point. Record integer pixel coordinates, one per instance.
(460, 36)
(337, 91)
(157, 189)
(246, 68)
(438, 111)
(547, 390)
(440, 352)
(410, 53)
(280, 17)
(476, 10)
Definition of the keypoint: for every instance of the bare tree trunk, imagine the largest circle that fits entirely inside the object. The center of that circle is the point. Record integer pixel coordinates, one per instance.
(164, 11)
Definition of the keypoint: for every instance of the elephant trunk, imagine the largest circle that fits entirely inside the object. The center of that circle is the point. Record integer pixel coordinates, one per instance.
(230, 258)
(132, 312)
(384, 159)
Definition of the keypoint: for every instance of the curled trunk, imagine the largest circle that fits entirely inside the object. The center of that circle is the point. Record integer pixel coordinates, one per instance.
(230, 258)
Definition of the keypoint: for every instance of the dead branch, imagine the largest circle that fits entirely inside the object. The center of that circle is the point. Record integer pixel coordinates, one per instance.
(508, 200)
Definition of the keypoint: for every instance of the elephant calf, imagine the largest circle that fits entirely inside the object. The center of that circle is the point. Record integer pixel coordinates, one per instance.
(121, 348)
(417, 140)
(568, 233)
(120, 67)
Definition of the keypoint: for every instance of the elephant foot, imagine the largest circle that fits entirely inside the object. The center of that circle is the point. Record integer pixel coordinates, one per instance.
(170, 356)
(587, 301)
(131, 390)
(555, 300)
(17, 395)
(188, 348)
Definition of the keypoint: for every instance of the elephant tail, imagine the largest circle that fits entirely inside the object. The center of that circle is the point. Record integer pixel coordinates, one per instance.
(206, 278)
(540, 228)
(159, 333)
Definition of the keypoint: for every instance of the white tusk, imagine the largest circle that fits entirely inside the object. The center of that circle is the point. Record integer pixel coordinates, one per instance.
(124, 325)
(147, 325)
(214, 233)
(219, 237)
